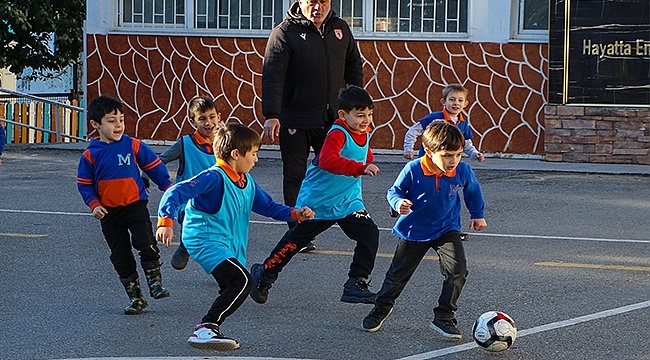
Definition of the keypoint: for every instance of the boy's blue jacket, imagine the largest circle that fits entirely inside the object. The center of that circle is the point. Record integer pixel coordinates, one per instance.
(217, 214)
(109, 173)
(436, 199)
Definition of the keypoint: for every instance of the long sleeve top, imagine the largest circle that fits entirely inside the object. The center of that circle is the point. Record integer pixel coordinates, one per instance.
(436, 199)
(415, 131)
(109, 173)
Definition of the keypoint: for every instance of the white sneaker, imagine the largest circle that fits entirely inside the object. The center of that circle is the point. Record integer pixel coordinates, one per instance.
(207, 336)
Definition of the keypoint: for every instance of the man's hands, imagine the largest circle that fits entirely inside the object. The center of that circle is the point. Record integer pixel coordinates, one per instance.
(271, 129)
(408, 155)
(164, 235)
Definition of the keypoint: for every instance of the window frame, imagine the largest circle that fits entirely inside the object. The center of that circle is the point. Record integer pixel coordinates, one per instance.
(189, 27)
(367, 31)
(517, 33)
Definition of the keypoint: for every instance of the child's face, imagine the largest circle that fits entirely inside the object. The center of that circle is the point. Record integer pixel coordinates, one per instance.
(206, 122)
(455, 102)
(445, 160)
(358, 120)
(245, 162)
(111, 127)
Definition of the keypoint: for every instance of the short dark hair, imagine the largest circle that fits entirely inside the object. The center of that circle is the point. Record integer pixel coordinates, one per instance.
(354, 97)
(443, 135)
(454, 87)
(233, 136)
(102, 105)
(200, 103)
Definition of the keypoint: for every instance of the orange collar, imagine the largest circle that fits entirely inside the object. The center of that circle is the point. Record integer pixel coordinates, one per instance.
(232, 174)
(431, 169)
(201, 140)
(447, 116)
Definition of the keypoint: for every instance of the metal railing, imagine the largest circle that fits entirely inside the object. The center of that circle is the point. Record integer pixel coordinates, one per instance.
(34, 119)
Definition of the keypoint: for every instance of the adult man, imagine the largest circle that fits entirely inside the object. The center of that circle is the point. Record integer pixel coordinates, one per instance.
(309, 57)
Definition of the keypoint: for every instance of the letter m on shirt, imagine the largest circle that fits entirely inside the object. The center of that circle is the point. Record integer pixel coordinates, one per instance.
(123, 160)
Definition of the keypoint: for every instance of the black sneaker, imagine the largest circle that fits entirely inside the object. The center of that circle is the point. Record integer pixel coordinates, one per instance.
(464, 236)
(446, 328)
(261, 284)
(356, 291)
(180, 258)
(372, 322)
(308, 248)
(393, 213)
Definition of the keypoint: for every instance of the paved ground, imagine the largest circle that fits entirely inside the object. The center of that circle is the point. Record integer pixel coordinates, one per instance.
(566, 254)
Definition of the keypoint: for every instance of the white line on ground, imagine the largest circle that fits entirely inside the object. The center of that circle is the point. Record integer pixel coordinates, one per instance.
(430, 354)
(184, 358)
(534, 330)
(382, 229)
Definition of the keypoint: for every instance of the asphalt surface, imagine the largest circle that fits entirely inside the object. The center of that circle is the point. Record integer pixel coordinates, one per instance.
(566, 254)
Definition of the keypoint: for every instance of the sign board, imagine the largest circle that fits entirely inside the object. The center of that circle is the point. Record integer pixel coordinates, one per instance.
(606, 52)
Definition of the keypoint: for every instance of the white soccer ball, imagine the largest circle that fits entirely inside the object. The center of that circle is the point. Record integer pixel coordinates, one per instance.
(494, 331)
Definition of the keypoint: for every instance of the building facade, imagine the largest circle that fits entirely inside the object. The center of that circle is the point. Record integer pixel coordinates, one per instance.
(155, 55)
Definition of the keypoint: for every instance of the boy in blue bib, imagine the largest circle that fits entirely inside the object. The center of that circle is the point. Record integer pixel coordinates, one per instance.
(215, 229)
(332, 188)
(194, 154)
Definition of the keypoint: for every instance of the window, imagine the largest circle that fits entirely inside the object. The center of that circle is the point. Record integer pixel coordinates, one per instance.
(404, 16)
(377, 17)
(208, 14)
(529, 20)
(152, 13)
(239, 14)
(533, 16)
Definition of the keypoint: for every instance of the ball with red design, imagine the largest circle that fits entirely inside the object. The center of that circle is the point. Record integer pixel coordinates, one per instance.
(494, 331)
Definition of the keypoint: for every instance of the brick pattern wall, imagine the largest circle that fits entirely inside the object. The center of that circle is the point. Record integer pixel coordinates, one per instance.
(155, 76)
(597, 134)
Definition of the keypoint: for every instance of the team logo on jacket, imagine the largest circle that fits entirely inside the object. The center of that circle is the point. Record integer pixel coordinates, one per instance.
(338, 33)
(303, 36)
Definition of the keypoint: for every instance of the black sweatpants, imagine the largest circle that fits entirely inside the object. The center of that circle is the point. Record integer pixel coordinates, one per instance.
(235, 283)
(126, 226)
(357, 226)
(409, 254)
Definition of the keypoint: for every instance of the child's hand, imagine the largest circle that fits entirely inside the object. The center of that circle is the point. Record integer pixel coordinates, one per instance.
(304, 213)
(164, 235)
(480, 157)
(404, 206)
(371, 170)
(408, 155)
(477, 224)
(99, 212)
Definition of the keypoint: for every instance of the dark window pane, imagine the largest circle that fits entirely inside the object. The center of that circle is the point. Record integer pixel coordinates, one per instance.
(535, 15)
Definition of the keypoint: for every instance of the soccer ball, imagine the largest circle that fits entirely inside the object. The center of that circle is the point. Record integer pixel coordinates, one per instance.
(494, 331)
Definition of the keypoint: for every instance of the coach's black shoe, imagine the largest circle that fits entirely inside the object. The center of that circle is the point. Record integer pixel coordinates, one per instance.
(393, 213)
(446, 328)
(310, 247)
(372, 322)
(464, 236)
(262, 282)
(355, 291)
